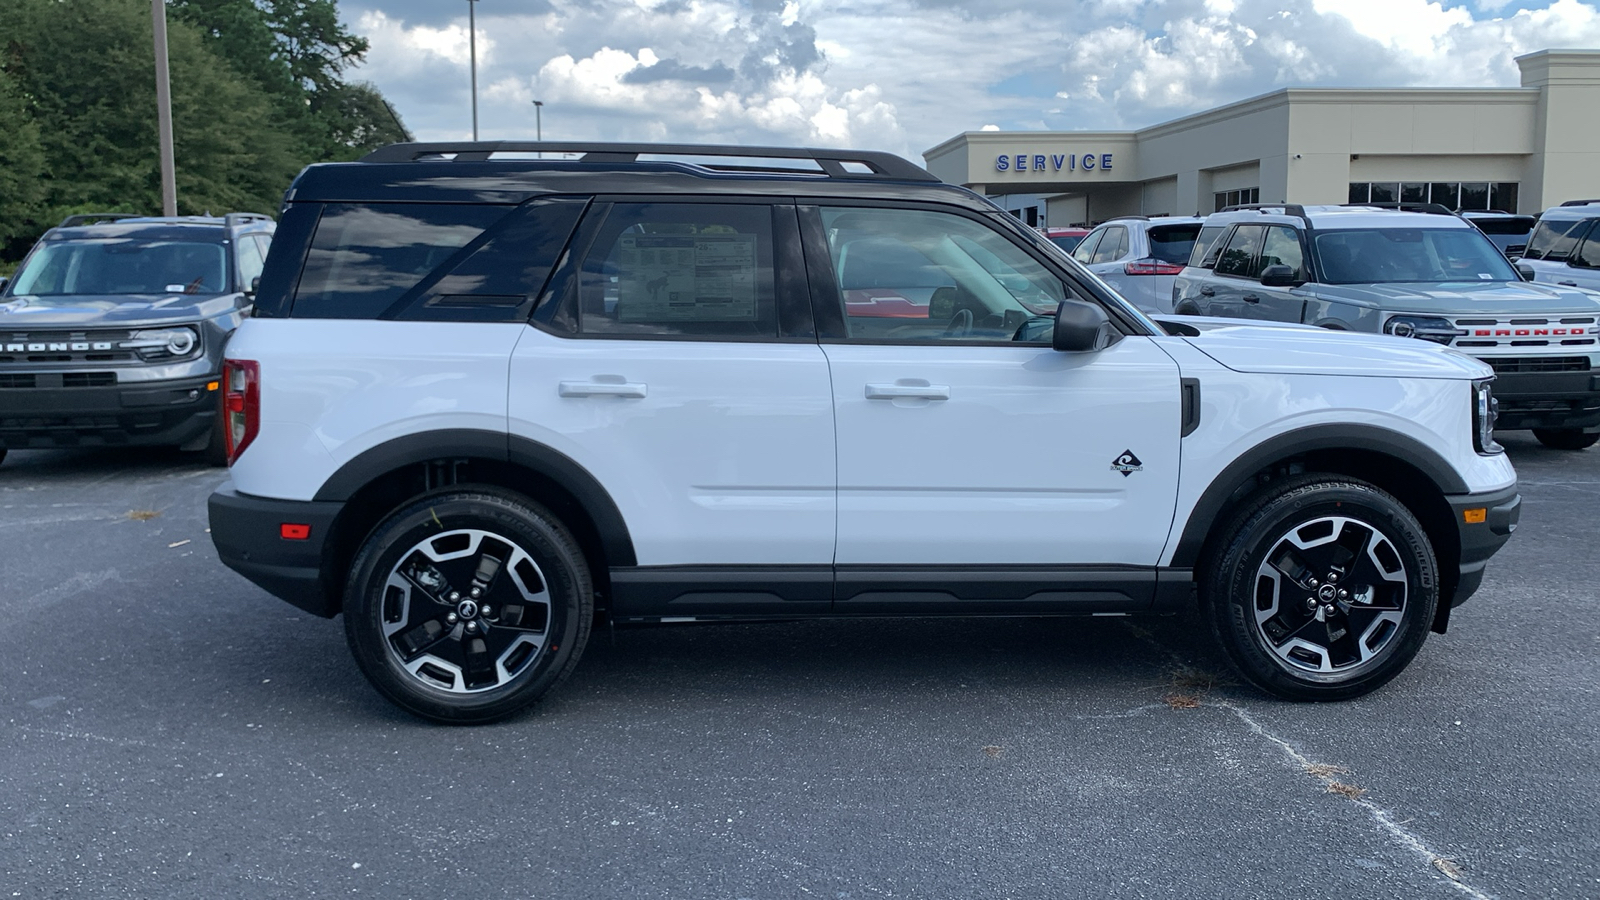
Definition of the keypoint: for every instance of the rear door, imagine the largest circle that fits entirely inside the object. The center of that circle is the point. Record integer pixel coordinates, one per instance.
(1235, 290)
(676, 362)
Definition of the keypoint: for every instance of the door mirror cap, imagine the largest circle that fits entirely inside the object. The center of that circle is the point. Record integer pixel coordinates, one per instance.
(1082, 327)
(1526, 271)
(1277, 276)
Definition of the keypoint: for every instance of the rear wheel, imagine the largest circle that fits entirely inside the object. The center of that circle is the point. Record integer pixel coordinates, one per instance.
(469, 606)
(1324, 590)
(1565, 438)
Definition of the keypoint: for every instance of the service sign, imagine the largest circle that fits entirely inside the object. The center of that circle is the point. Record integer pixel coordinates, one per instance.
(1053, 162)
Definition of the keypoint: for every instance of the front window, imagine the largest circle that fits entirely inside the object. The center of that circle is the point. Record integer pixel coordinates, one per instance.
(912, 275)
(1380, 255)
(116, 266)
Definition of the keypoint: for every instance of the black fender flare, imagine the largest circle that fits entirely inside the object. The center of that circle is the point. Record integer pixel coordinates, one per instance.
(421, 447)
(1236, 474)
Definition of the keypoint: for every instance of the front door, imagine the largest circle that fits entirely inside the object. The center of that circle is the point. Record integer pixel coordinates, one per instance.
(967, 447)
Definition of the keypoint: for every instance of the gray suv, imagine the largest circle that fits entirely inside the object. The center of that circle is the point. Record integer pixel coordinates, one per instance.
(1426, 276)
(112, 330)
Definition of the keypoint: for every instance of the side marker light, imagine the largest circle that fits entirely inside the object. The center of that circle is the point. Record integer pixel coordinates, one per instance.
(291, 532)
(1470, 516)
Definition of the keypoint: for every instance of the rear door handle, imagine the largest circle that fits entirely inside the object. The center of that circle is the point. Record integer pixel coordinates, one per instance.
(902, 391)
(1250, 298)
(1208, 291)
(597, 388)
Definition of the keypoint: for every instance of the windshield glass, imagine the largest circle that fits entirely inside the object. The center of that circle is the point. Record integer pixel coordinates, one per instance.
(1379, 255)
(123, 266)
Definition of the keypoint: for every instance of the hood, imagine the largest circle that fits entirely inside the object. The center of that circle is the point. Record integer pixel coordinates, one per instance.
(1319, 351)
(25, 313)
(1464, 298)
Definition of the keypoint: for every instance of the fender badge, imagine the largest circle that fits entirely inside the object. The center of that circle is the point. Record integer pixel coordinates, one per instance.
(1127, 464)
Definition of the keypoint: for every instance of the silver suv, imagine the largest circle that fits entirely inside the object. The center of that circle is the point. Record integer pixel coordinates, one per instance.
(1421, 275)
(1139, 256)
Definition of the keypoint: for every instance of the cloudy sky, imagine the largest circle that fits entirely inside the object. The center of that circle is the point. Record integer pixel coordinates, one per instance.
(904, 75)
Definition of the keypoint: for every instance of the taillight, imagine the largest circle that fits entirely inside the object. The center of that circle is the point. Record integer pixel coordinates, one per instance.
(241, 404)
(1152, 266)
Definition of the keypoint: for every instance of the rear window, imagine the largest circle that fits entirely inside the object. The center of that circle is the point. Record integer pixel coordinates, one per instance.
(365, 256)
(1203, 242)
(1515, 225)
(1173, 243)
(1554, 239)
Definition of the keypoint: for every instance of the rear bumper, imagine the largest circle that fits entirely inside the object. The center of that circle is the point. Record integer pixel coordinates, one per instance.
(137, 414)
(1481, 540)
(247, 533)
(1548, 400)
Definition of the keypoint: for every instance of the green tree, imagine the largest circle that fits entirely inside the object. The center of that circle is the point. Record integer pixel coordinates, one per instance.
(21, 165)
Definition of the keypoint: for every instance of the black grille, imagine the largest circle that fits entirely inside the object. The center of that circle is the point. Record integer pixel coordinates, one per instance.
(1518, 364)
(10, 380)
(88, 379)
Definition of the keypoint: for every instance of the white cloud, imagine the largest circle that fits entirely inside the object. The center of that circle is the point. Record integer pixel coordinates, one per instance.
(903, 75)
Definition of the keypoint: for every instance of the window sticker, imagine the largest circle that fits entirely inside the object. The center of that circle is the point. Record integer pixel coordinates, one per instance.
(687, 278)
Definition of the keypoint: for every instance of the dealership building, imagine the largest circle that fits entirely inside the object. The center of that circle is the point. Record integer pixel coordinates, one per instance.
(1518, 149)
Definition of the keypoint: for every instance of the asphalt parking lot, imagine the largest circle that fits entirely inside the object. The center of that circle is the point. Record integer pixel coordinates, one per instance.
(172, 731)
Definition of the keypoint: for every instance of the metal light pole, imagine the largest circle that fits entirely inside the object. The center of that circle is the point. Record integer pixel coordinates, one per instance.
(169, 185)
(472, 48)
(538, 122)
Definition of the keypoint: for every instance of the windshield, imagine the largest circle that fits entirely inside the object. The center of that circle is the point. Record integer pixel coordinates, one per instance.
(1380, 255)
(123, 266)
(1068, 242)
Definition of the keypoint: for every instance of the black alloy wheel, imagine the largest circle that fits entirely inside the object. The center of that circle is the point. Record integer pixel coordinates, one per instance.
(1324, 589)
(468, 606)
(1565, 438)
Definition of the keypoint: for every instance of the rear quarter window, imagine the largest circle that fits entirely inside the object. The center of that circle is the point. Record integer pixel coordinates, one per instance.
(364, 257)
(1203, 243)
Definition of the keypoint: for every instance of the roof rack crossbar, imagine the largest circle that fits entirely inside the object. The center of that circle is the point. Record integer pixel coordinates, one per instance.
(834, 163)
(1289, 209)
(1437, 209)
(80, 218)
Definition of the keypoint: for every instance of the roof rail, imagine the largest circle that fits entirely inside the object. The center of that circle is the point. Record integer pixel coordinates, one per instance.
(82, 218)
(1581, 202)
(834, 163)
(1289, 209)
(1437, 209)
(235, 219)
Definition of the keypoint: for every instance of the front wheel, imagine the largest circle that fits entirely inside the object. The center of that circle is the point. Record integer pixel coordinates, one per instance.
(1324, 589)
(1565, 438)
(467, 607)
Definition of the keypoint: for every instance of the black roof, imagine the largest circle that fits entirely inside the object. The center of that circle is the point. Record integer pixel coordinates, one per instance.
(510, 172)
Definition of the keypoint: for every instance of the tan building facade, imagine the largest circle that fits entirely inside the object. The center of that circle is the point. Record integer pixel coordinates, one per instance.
(1520, 149)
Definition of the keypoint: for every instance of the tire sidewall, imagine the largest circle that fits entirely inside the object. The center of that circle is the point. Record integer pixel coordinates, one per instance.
(1255, 536)
(512, 518)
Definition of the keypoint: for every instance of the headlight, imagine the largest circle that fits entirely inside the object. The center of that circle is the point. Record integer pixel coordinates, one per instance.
(164, 343)
(1485, 409)
(1429, 328)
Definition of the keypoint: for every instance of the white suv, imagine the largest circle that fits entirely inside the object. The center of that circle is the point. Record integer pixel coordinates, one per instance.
(1564, 248)
(1140, 256)
(485, 397)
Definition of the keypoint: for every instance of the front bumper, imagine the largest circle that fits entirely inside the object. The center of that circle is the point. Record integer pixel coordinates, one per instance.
(247, 533)
(1548, 400)
(49, 413)
(1480, 540)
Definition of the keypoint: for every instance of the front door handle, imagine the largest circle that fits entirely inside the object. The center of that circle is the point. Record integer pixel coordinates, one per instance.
(914, 390)
(1207, 291)
(1567, 283)
(1250, 298)
(599, 388)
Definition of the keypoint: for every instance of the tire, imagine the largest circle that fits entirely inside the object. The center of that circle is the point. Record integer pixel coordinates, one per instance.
(1565, 438)
(1338, 541)
(408, 605)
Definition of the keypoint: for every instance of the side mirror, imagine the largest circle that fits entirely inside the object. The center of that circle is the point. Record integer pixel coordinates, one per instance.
(1082, 327)
(1277, 276)
(1526, 271)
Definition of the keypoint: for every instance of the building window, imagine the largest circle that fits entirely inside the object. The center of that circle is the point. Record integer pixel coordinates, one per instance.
(1226, 199)
(1456, 195)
